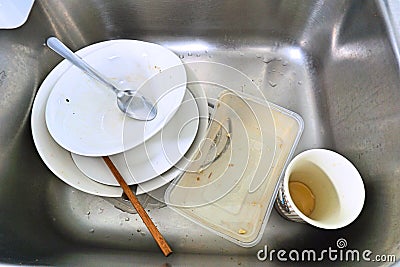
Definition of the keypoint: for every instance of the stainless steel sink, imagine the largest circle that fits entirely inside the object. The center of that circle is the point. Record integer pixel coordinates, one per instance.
(332, 62)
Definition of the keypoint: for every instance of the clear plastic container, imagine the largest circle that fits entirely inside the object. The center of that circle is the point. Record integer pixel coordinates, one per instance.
(231, 184)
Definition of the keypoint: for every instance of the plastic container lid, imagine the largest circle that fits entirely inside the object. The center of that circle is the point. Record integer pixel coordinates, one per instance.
(14, 14)
(231, 184)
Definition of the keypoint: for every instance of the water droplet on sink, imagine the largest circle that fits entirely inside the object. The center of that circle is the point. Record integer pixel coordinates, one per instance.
(190, 54)
(285, 63)
(273, 84)
(88, 213)
(91, 231)
(258, 56)
(197, 55)
(181, 56)
(127, 219)
(267, 60)
(299, 82)
(138, 230)
(241, 54)
(101, 210)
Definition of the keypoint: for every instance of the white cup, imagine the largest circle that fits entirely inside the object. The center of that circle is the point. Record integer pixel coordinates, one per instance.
(322, 188)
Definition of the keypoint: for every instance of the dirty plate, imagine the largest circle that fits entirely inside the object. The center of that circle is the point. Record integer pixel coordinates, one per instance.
(82, 115)
(59, 160)
(153, 157)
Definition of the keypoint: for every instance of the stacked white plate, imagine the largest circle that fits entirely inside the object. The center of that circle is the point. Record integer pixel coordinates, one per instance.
(75, 120)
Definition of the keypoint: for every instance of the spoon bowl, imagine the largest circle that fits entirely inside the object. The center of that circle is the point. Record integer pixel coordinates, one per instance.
(131, 102)
(135, 105)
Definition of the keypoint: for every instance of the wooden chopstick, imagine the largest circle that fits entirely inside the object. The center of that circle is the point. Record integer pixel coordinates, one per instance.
(161, 242)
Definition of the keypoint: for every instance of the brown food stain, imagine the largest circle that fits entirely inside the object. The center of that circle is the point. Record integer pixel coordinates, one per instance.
(302, 197)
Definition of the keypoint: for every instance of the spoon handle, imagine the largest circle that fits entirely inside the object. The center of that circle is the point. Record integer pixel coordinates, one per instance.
(61, 49)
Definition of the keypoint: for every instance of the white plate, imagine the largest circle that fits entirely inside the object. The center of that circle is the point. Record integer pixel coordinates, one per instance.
(59, 160)
(82, 115)
(175, 171)
(153, 157)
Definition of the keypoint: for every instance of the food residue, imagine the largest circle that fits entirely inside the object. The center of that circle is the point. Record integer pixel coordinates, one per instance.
(302, 197)
(242, 231)
(157, 68)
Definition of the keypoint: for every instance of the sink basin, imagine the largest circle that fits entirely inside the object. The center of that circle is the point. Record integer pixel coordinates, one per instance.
(332, 62)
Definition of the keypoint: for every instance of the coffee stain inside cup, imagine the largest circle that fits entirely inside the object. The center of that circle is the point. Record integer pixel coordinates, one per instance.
(302, 197)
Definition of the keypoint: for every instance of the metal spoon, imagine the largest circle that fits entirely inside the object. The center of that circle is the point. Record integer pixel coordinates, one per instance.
(131, 102)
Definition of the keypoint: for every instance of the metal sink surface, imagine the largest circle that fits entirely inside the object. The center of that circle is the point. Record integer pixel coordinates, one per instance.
(333, 62)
